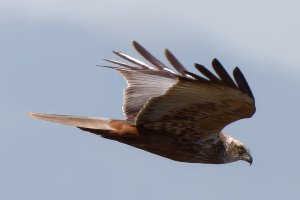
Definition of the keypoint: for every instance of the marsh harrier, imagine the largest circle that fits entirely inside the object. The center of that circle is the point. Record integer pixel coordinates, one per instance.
(174, 113)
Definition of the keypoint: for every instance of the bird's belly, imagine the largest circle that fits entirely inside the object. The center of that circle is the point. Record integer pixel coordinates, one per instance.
(174, 147)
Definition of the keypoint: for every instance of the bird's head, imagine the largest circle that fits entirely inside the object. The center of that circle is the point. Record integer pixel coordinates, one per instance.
(236, 150)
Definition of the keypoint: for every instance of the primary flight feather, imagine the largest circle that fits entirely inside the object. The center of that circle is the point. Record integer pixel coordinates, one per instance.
(176, 114)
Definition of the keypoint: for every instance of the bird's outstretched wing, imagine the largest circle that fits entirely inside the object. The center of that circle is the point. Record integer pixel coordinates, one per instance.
(180, 101)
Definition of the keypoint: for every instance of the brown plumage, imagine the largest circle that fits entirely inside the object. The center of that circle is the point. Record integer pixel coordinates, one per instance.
(175, 114)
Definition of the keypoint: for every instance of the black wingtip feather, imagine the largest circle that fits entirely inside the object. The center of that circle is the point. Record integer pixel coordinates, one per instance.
(242, 82)
(220, 70)
(207, 73)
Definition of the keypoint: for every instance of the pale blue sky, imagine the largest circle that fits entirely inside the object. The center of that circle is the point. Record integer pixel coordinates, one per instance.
(49, 52)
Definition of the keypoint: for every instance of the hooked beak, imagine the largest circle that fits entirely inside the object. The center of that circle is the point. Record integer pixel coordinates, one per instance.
(249, 159)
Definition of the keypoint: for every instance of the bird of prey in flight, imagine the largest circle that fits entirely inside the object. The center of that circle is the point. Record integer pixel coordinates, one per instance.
(174, 113)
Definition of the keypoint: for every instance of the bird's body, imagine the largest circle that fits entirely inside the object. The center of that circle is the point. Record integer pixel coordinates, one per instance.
(177, 115)
(167, 144)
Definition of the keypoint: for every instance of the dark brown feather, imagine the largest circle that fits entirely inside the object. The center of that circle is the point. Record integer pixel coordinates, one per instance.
(175, 63)
(218, 67)
(148, 56)
(207, 73)
(242, 82)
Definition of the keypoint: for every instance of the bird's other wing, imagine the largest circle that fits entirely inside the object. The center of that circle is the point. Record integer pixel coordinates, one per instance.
(162, 99)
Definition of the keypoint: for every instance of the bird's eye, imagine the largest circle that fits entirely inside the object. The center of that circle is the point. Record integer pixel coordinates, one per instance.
(241, 150)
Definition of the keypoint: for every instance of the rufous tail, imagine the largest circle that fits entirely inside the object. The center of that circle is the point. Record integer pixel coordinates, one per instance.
(78, 121)
(108, 128)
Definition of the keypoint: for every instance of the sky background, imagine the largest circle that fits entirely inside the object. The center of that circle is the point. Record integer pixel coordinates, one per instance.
(49, 51)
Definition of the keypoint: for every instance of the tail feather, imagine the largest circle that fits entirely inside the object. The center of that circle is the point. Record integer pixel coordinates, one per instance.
(78, 121)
